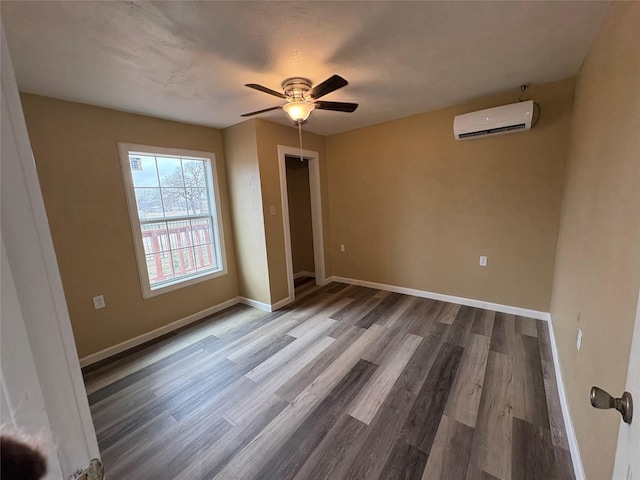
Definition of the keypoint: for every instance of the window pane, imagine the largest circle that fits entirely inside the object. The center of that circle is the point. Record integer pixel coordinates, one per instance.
(194, 175)
(183, 262)
(155, 237)
(170, 172)
(202, 231)
(149, 203)
(180, 234)
(174, 202)
(205, 259)
(145, 175)
(159, 267)
(198, 202)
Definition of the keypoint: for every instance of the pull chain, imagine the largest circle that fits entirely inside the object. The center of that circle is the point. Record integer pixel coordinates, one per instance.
(300, 137)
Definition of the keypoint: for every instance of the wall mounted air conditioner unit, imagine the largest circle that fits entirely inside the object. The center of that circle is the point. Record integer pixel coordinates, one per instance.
(495, 121)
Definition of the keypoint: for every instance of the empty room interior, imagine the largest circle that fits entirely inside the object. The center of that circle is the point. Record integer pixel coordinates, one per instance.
(322, 240)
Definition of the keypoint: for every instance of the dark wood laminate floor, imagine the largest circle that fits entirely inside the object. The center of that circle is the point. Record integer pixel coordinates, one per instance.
(346, 383)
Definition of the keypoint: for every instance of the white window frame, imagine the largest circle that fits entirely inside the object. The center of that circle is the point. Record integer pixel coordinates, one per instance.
(125, 149)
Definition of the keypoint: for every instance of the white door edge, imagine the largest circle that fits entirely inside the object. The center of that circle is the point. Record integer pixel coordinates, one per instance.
(627, 463)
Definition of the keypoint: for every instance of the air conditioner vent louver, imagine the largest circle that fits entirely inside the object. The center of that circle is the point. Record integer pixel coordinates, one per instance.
(494, 121)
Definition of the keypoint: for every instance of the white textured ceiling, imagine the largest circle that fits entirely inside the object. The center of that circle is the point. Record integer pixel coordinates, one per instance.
(188, 61)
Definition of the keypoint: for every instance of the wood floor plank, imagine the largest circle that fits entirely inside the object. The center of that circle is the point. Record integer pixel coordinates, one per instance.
(385, 345)
(556, 419)
(397, 312)
(109, 411)
(249, 362)
(127, 444)
(251, 459)
(333, 457)
(420, 318)
(219, 382)
(249, 404)
(491, 450)
(404, 463)
(161, 463)
(423, 420)
(322, 384)
(483, 322)
(320, 317)
(365, 406)
(448, 313)
(298, 447)
(188, 355)
(373, 451)
(503, 337)
(460, 329)
(357, 310)
(449, 456)
(261, 339)
(337, 287)
(526, 326)
(466, 391)
(529, 396)
(535, 457)
(302, 350)
(381, 311)
(301, 380)
(218, 454)
(285, 366)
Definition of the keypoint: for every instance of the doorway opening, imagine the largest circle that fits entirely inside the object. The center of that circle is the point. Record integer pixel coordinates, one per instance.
(302, 217)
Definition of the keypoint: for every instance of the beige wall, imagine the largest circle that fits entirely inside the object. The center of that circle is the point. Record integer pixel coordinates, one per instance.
(243, 176)
(597, 271)
(76, 152)
(416, 209)
(299, 196)
(269, 136)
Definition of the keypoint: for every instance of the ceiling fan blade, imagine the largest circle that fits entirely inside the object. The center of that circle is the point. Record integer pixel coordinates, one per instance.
(329, 85)
(255, 86)
(260, 111)
(336, 106)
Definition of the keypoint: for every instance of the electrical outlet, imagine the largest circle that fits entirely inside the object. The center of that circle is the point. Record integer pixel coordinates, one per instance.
(579, 339)
(98, 302)
(342, 249)
(483, 261)
(272, 210)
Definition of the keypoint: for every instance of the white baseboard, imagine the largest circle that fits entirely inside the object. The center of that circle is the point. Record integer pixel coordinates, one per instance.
(282, 303)
(266, 306)
(568, 424)
(470, 302)
(304, 274)
(256, 304)
(145, 337)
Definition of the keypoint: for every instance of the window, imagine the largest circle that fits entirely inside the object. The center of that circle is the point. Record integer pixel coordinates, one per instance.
(174, 209)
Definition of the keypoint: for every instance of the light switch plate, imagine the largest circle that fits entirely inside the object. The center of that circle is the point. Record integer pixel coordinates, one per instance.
(483, 261)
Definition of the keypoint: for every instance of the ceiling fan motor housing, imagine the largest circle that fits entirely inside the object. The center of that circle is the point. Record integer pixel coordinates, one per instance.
(296, 88)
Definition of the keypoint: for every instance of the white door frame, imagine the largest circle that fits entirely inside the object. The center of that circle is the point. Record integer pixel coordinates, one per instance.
(37, 301)
(627, 464)
(316, 213)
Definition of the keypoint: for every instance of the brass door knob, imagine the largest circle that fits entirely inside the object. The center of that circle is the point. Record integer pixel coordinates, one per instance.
(624, 404)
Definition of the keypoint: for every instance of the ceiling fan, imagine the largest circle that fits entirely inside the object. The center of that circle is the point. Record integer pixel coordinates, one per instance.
(302, 98)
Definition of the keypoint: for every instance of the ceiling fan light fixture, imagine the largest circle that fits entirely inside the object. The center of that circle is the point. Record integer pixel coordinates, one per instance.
(299, 111)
